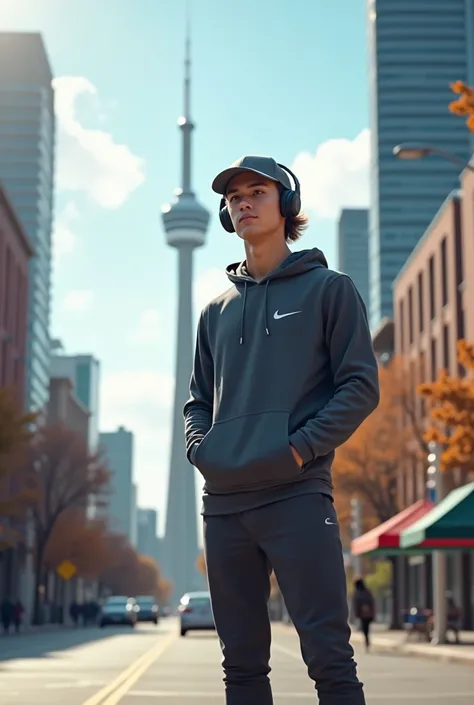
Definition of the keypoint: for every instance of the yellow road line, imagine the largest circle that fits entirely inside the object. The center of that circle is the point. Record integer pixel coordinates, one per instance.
(122, 684)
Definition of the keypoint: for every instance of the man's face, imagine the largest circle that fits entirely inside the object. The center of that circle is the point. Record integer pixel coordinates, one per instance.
(254, 206)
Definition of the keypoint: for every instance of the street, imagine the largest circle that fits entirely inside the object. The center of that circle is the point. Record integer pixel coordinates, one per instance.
(149, 664)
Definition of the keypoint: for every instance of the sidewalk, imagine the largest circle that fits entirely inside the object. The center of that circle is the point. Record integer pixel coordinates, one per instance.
(395, 642)
(30, 630)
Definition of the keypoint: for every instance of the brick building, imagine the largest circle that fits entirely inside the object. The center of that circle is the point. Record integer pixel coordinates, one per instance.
(15, 252)
(431, 313)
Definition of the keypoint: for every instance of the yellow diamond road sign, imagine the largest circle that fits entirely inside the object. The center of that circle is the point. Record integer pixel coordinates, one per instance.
(66, 570)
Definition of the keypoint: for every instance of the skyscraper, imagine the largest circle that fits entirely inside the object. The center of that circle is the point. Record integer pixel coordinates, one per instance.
(417, 48)
(353, 248)
(121, 509)
(27, 132)
(84, 371)
(147, 529)
(185, 223)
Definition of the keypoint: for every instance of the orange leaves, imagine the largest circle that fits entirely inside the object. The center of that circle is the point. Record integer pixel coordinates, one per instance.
(201, 564)
(126, 572)
(464, 105)
(368, 465)
(452, 413)
(14, 494)
(66, 476)
(77, 539)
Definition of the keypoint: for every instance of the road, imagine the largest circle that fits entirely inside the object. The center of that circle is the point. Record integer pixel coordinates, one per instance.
(153, 665)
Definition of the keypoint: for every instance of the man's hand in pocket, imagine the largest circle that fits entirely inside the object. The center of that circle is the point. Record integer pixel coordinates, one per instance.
(297, 456)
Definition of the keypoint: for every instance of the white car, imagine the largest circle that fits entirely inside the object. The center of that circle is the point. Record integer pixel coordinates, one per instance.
(195, 612)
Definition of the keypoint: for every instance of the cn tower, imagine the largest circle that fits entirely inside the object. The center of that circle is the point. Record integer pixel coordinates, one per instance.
(185, 222)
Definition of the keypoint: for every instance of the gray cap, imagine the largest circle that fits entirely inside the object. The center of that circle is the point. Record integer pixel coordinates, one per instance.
(263, 166)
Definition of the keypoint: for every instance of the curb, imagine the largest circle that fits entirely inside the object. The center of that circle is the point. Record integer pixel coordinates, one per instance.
(434, 653)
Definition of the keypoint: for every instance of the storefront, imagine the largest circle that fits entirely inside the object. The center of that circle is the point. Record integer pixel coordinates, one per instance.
(409, 538)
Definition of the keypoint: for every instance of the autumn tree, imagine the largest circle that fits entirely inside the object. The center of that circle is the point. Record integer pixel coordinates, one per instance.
(201, 564)
(65, 476)
(464, 105)
(165, 590)
(127, 572)
(368, 464)
(451, 411)
(80, 540)
(15, 431)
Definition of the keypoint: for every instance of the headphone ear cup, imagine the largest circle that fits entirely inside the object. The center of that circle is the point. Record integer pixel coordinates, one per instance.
(290, 203)
(226, 220)
(295, 203)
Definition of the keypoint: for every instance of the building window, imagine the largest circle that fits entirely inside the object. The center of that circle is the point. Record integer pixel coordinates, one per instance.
(410, 314)
(421, 302)
(446, 359)
(444, 271)
(402, 326)
(434, 362)
(432, 287)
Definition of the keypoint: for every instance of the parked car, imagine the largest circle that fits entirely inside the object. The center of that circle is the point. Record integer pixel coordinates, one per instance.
(195, 612)
(147, 609)
(119, 609)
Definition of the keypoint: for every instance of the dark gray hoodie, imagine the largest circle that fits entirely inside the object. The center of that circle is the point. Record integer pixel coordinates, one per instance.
(287, 360)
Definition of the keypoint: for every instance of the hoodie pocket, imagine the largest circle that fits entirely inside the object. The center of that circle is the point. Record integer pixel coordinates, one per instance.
(247, 452)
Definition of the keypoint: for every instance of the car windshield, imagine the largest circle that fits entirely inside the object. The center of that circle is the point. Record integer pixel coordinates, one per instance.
(200, 601)
(146, 600)
(116, 601)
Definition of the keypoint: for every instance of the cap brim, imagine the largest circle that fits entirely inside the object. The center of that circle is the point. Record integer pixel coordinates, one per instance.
(220, 183)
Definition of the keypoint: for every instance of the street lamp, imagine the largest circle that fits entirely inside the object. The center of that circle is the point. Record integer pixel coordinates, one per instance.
(436, 494)
(412, 151)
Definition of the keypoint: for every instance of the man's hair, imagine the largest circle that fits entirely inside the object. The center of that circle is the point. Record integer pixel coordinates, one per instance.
(295, 225)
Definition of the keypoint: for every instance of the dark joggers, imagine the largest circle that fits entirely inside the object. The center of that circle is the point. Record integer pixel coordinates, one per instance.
(299, 538)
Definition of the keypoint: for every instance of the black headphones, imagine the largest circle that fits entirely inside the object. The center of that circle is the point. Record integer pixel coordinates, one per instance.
(290, 203)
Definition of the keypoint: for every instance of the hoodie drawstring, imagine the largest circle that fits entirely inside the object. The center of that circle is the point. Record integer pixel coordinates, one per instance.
(265, 301)
(242, 315)
(265, 311)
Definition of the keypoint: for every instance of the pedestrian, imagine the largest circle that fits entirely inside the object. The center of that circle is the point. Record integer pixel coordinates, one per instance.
(6, 611)
(364, 608)
(75, 612)
(284, 373)
(18, 611)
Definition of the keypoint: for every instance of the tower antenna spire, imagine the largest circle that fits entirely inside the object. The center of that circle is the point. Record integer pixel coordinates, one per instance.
(187, 66)
(186, 123)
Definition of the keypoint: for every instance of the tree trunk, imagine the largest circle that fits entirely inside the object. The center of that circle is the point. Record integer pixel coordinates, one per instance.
(37, 582)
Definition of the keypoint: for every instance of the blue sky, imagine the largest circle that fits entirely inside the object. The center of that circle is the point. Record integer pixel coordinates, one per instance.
(279, 78)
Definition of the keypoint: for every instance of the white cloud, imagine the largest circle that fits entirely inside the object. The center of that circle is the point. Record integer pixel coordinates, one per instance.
(336, 176)
(90, 160)
(148, 328)
(64, 238)
(208, 285)
(78, 300)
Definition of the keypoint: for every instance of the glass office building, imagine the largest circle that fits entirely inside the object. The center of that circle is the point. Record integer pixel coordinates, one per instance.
(416, 49)
(27, 135)
(353, 248)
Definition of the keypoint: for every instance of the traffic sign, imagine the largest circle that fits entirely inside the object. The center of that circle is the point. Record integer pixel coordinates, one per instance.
(66, 570)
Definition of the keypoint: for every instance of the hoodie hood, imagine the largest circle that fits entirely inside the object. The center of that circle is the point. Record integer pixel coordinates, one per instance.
(295, 263)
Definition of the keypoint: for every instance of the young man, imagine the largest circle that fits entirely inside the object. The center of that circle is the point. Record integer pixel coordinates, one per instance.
(284, 373)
